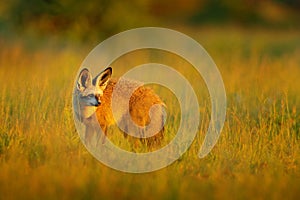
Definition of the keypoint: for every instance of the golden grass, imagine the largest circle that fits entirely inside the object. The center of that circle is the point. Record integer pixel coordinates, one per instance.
(256, 157)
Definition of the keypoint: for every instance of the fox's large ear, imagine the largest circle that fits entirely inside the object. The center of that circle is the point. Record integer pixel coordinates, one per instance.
(102, 79)
(84, 79)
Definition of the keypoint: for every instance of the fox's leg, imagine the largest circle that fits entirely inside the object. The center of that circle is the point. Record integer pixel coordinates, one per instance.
(92, 131)
(104, 135)
(161, 133)
(126, 129)
(142, 135)
(159, 119)
(89, 129)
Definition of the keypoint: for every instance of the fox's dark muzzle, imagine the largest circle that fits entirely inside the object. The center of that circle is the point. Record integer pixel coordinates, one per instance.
(98, 103)
(98, 100)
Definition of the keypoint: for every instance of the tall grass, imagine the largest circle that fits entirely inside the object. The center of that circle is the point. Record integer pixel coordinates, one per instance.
(257, 155)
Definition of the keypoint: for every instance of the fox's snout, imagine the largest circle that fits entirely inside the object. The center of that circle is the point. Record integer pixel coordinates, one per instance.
(98, 101)
(96, 104)
(95, 100)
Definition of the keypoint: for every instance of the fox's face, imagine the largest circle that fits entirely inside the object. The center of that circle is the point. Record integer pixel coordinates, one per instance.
(90, 90)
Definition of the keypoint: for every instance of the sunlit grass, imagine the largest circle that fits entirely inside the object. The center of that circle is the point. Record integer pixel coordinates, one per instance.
(257, 155)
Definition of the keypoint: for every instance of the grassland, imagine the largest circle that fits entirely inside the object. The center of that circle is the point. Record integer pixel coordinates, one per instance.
(256, 157)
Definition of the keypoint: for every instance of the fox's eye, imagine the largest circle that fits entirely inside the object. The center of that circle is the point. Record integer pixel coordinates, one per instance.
(91, 95)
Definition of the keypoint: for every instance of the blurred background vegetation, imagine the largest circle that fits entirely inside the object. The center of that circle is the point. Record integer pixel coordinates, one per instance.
(254, 43)
(89, 20)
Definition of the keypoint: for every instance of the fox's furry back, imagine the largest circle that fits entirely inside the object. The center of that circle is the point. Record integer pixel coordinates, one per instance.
(142, 99)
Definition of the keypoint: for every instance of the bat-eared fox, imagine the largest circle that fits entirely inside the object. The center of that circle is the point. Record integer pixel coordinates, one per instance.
(93, 105)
